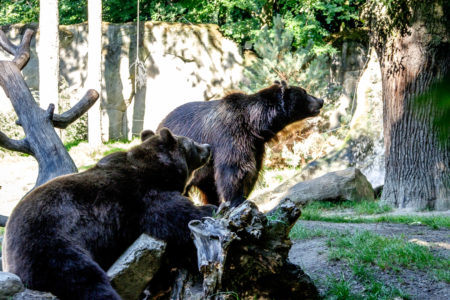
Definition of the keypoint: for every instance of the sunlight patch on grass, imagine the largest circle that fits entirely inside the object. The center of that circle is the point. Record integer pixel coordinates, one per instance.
(364, 250)
(363, 207)
(434, 222)
(113, 150)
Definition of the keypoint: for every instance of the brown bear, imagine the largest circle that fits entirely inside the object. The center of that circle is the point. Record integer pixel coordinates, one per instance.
(237, 128)
(64, 234)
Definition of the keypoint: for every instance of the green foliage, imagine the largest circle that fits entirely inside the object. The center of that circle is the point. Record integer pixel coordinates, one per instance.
(276, 60)
(310, 21)
(19, 11)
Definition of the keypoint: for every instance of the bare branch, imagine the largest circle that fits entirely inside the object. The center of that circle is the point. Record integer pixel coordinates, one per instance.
(50, 111)
(68, 117)
(15, 145)
(23, 54)
(6, 44)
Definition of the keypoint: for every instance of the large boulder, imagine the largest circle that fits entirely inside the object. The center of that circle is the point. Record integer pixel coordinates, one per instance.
(349, 184)
(131, 273)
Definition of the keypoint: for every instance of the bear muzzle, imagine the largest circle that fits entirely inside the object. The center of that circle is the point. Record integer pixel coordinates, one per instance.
(315, 104)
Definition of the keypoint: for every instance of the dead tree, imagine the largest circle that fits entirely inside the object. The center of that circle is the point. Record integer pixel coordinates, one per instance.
(41, 140)
(243, 254)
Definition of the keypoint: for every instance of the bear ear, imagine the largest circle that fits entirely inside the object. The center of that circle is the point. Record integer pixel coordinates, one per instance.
(167, 136)
(277, 82)
(146, 134)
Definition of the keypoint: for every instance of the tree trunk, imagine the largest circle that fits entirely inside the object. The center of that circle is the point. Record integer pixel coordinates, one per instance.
(95, 68)
(243, 254)
(48, 51)
(41, 140)
(412, 58)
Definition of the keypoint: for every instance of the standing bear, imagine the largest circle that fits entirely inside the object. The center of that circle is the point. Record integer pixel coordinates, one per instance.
(237, 128)
(63, 235)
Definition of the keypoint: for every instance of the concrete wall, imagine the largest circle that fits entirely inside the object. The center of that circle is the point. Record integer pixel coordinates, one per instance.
(182, 63)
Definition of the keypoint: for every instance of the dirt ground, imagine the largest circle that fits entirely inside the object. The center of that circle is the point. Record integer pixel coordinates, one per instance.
(312, 256)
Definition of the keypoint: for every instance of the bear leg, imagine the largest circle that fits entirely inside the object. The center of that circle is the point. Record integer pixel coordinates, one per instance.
(69, 272)
(230, 184)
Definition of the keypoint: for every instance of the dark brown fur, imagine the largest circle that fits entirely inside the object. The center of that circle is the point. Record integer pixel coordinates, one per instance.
(237, 128)
(62, 236)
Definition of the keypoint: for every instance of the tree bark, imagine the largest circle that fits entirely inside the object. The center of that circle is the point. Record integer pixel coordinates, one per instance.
(48, 51)
(41, 141)
(243, 254)
(95, 68)
(412, 57)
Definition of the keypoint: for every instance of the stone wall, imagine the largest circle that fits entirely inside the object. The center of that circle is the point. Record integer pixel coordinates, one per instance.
(182, 63)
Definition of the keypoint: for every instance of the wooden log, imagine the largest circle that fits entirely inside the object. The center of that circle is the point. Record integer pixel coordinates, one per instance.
(244, 253)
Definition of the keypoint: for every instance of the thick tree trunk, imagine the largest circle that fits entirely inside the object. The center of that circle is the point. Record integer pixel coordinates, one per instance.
(41, 140)
(417, 164)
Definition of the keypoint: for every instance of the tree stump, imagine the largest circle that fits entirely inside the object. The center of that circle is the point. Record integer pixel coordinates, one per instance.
(244, 253)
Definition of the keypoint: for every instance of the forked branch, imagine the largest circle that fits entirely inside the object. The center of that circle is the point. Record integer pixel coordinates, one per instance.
(22, 52)
(68, 117)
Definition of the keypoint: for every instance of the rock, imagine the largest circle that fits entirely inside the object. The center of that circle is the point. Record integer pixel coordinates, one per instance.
(33, 295)
(349, 184)
(10, 284)
(136, 267)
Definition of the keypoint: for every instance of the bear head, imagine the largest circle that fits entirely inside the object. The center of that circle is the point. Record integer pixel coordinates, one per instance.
(294, 102)
(167, 161)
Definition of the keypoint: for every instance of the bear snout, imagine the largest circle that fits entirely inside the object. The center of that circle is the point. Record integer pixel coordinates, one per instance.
(320, 102)
(315, 104)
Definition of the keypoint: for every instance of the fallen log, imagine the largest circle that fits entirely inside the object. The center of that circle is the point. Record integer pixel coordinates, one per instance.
(244, 253)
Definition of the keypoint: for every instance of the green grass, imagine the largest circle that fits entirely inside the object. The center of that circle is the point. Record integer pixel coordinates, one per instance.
(299, 232)
(323, 211)
(121, 141)
(434, 222)
(364, 250)
(340, 289)
(113, 150)
(363, 207)
(72, 144)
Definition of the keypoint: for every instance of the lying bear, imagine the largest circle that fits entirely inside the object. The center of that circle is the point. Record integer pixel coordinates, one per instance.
(237, 127)
(63, 235)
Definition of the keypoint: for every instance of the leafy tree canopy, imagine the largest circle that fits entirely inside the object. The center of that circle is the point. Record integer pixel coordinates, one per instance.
(310, 21)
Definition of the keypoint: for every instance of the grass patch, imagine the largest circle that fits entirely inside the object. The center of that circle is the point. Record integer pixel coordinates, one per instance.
(434, 222)
(113, 150)
(363, 207)
(340, 289)
(299, 232)
(364, 250)
(322, 211)
(72, 144)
